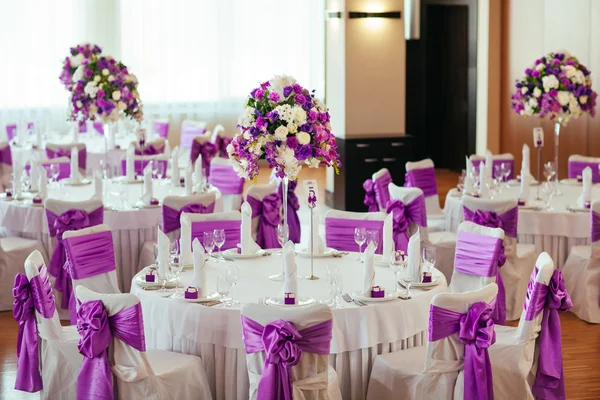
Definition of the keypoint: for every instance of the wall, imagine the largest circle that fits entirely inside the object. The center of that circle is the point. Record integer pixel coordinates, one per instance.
(531, 29)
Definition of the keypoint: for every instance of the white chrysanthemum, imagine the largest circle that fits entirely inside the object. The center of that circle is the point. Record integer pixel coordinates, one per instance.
(537, 92)
(303, 138)
(78, 74)
(76, 61)
(91, 89)
(247, 118)
(278, 82)
(299, 115)
(563, 97)
(285, 113)
(549, 82)
(281, 132)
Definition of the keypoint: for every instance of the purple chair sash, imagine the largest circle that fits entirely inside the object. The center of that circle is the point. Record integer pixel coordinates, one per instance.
(96, 330)
(382, 193)
(269, 212)
(139, 165)
(224, 178)
(149, 150)
(171, 218)
(507, 221)
(64, 169)
(476, 331)
(370, 199)
(222, 142)
(6, 156)
(292, 210)
(552, 300)
(576, 168)
(98, 127)
(424, 179)
(339, 233)
(188, 133)
(231, 228)
(11, 131)
(595, 225)
(58, 224)
(90, 255)
(208, 151)
(403, 215)
(162, 128)
(66, 152)
(283, 344)
(511, 163)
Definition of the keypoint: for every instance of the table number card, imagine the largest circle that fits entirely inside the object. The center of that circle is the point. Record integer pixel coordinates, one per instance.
(311, 190)
(538, 137)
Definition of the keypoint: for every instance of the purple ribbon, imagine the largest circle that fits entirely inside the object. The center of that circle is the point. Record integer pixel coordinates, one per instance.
(224, 178)
(576, 168)
(231, 228)
(292, 210)
(66, 152)
(403, 215)
(595, 225)
(162, 128)
(6, 156)
(370, 200)
(269, 212)
(283, 344)
(96, 330)
(149, 150)
(507, 221)
(424, 179)
(171, 218)
(11, 131)
(339, 233)
(552, 300)
(58, 224)
(208, 151)
(382, 194)
(476, 331)
(222, 142)
(511, 164)
(30, 296)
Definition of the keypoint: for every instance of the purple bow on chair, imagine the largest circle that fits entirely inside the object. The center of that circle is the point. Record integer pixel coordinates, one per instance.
(403, 215)
(552, 300)
(476, 331)
(5, 156)
(207, 150)
(370, 201)
(283, 344)
(293, 206)
(269, 211)
(96, 330)
(62, 152)
(171, 218)
(507, 221)
(65, 152)
(222, 142)
(148, 151)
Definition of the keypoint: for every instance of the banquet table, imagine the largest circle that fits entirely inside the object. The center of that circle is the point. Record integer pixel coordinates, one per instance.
(554, 232)
(131, 225)
(215, 333)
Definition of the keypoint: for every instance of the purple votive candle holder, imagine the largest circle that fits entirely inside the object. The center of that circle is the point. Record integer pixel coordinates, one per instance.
(191, 292)
(289, 299)
(377, 292)
(426, 277)
(182, 181)
(37, 200)
(239, 248)
(587, 205)
(521, 202)
(153, 201)
(151, 276)
(519, 178)
(579, 178)
(8, 193)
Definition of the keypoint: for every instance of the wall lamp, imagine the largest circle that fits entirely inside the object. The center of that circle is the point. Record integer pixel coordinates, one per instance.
(389, 14)
(331, 15)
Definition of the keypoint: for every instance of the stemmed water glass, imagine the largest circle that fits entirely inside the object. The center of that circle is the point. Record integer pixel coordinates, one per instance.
(176, 266)
(360, 236)
(397, 260)
(373, 237)
(208, 241)
(160, 170)
(283, 235)
(506, 170)
(232, 276)
(219, 235)
(499, 175)
(332, 276)
(548, 190)
(407, 277)
(223, 288)
(155, 253)
(155, 168)
(549, 171)
(54, 172)
(428, 258)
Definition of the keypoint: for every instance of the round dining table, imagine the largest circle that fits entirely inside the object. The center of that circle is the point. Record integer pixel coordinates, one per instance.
(554, 230)
(214, 333)
(131, 223)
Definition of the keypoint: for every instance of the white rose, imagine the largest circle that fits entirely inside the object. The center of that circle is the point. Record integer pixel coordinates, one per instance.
(574, 107)
(549, 82)
(281, 132)
(278, 82)
(583, 99)
(303, 138)
(97, 78)
(524, 90)
(116, 95)
(299, 115)
(111, 78)
(537, 92)
(121, 105)
(533, 102)
(76, 61)
(579, 77)
(540, 66)
(105, 72)
(563, 97)
(247, 135)
(79, 104)
(78, 74)
(91, 89)
(292, 128)
(313, 162)
(569, 71)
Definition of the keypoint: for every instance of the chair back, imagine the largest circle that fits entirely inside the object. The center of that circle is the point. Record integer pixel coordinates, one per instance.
(5, 157)
(223, 177)
(161, 127)
(265, 204)
(140, 162)
(421, 174)
(497, 159)
(189, 130)
(413, 200)
(595, 228)
(151, 148)
(173, 207)
(11, 131)
(340, 226)
(194, 225)
(381, 180)
(578, 163)
(57, 150)
(64, 166)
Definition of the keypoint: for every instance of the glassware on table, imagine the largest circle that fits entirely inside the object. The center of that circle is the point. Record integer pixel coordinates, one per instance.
(397, 260)
(332, 276)
(219, 235)
(360, 236)
(160, 170)
(176, 266)
(25, 181)
(155, 253)
(549, 171)
(506, 170)
(155, 168)
(428, 258)
(283, 235)
(174, 248)
(373, 237)
(164, 279)
(499, 175)
(123, 197)
(232, 276)
(223, 288)
(208, 241)
(54, 172)
(407, 277)
(336, 291)
(548, 192)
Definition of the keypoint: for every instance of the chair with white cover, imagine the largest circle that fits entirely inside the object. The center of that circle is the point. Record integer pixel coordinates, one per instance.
(376, 190)
(151, 148)
(504, 213)
(63, 164)
(292, 360)
(578, 163)
(266, 214)
(221, 140)
(53, 369)
(582, 273)
(421, 174)
(460, 331)
(119, 343)
(340, 226)
(203, 147)
(497, 159)
(194, 225)
(56, 150)
(161, 127)
(6, 165)
(223, 177)
(189, 130)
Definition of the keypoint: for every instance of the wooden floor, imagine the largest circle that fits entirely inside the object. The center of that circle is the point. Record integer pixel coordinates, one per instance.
(581, 341)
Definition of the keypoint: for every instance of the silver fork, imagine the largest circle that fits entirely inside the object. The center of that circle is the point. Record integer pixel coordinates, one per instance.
(349, 299)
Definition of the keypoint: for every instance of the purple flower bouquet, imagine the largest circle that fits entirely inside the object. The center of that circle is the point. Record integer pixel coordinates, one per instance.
(287, 124)
(78, 55)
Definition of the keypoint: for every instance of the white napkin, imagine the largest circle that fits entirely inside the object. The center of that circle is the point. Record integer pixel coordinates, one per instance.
(414, 256)
(163, 253)
(33, 172)
(22, 133)
(369, 270)
(130, 163)
(198, 174)
(319, 244)
(525, 164)
(290, 283)
(525, 182)
(489, 163)
(147, 185)
(586, 192)
(185, 240)
(97, 184)
(38, 134)
(248, 244)
(43, 180)
(175, 166)
(199, 279)
(483, 180)
(188, 181)
(17, 171)
(75, 175)
(388, 237)
(468, 186)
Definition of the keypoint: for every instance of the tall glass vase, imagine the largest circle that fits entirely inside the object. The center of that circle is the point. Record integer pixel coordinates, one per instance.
(285, 182)
(557, 126)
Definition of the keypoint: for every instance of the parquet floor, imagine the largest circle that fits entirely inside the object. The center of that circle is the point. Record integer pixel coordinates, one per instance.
(581, 341)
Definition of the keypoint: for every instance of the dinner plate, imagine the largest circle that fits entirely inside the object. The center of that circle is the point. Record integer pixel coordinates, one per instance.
(279, 301)
(571, 182)
(381, 261)
(389, 295)
(304, 253)
(123, 180)
(435, 280)
(514, 182)
(576, 208)
(83, 182)
(181, 296)
(141, 281)
(232, 253)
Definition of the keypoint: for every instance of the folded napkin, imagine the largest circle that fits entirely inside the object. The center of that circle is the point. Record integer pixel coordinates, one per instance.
(130, 163)
(43, 180)
(163, 254)
(198, 174)
(75, 175)
(167, 151)
(489, 163)
(97, 184)
(110, 137)
(483, 180)
(38, 135)
(468, 188)
(318, 244)
(525, 164)
(175, 166)
(586, 192)
(290, 283)
(147, 196)
(388, 237)
(33, 172)
(188, 181)
(17, 171)
(248, 244)
(185, 242)
(22, 133)
(369, 270)
(199, 279)
(525, 182)
(414, 256)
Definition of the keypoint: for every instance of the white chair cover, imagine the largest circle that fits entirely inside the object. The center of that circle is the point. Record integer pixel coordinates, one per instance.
(436, 219)
(186, 229)
(231, 202)
(5, 169)
(259, 192)
(158, 143)
(154, 374)
(56, 146)
(313, 377)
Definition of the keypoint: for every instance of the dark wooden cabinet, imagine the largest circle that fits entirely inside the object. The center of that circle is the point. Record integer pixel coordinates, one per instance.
(361, 158)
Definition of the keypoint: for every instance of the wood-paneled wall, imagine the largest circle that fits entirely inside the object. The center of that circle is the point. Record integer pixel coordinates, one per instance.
(531, 29)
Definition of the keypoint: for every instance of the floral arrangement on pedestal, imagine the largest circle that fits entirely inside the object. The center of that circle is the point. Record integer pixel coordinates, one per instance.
(78, 55)
(289, 126)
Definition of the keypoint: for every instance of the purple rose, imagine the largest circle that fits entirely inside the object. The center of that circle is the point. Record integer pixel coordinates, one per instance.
(100, 94)
(307, 106)
(259, 93)
(306, 128)
(528, 72)
(570, 62)
(253, 131)
(87, 73)
(287, 91)
(556, 61)
(272, 116)
(312, 116)
(535, 73)
(274, 97)
(265, 85)
(553, 93)
(299, 99)
(324, 117)
(292, 142)
(303, 152)
(297, 88)
(261, 123)
(258, 113)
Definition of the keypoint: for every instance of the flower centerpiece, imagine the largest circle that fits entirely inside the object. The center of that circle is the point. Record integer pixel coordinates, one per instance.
(78, 55)
(556, 87)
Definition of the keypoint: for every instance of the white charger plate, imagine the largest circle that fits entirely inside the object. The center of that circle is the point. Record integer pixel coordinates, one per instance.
(304, 253)
(300, 301)
(232, 253)
(141, 281)
(181, 296)
(123, 180)
(389, 295)
(83, 182)
(435, 280)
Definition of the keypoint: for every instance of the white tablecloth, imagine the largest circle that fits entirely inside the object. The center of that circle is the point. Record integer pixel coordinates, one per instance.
(214, 334)
(555, 232)
(130, 227)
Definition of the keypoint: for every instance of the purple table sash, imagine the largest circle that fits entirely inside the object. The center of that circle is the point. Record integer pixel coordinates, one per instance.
(403, 215)
(222, 142)
(171, 218)
(283, 344)
(139, 165)
(476, 331)
(576, 168)
(339, 233)
(208, 151)
(595, 225)
(511, 163)
(66, 152)
(30, 296)
(382, 193)
(423, 179)
(90, 255)
(96, 330)
(292, 210)
(231, 228)
(57, 225)
(188, 133)
(507, 221)
(162, 128)
(269, 212)
(552, 300)
(370, 199)
(224, 178)
(6, 156)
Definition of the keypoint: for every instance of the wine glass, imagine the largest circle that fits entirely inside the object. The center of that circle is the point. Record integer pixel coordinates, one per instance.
(55, 172)
(232, 276)
(208, 240)
(548, 191)
(549, 171)
(336, 291)
(428, 258)
(332, 276)
(407, 277)
(499, 175)
(373, 237)
(223, 288)
(219, 235)
(176, 266)
(461, 183)
(160, 170)
(397, 260)
(283, 235)
(360, 236)
(155, 253)
(174, 249)
(506, 170)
